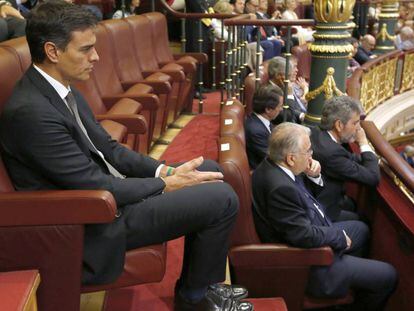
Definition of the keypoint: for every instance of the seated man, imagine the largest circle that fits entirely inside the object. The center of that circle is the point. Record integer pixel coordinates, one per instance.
(364, 52)
(408, 155)
(267, 104)
(50, 140)
(285, 210)
(294, 110)
(340, 124)
(12, 23)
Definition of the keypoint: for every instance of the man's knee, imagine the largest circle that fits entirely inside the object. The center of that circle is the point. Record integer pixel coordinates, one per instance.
(389, 277)
(210, 166)
(227, 200)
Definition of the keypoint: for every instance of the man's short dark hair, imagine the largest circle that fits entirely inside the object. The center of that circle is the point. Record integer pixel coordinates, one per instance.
(338, 108)
(54, 21)
(266, 96)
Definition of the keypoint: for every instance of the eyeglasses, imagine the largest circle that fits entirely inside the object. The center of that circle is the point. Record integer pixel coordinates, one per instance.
(309, 152)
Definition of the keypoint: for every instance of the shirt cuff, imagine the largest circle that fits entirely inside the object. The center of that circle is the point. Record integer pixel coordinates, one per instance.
(158, 171)
(317, 180)
(366, 148)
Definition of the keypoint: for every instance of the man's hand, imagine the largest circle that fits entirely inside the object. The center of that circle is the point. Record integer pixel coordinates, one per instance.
(313, 169)
(360, 137)
(186, 175)
(348, 241)
(302, 83)
(9, 11)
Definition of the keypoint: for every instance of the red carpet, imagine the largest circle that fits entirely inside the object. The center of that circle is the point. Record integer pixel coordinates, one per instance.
(198, 138)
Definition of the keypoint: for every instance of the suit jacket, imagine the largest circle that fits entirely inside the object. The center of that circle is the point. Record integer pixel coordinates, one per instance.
(291, 217)
(362, 56)
(338, 166)
(44, 148)
(257, 136)
(292, 112)
(409, 160)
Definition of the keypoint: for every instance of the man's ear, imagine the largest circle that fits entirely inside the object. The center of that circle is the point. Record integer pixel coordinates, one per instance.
(51, 51)
(338, 126)
(289, 159)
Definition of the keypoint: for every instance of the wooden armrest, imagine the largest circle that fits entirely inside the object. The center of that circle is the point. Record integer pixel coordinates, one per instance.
(270, 255)
(60, 207)
(187, 67)
(148, 101)
(135, 124)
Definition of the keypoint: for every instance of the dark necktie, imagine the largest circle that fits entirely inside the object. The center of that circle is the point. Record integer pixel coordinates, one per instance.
(271, 126)
(70, 99)
(315, 203)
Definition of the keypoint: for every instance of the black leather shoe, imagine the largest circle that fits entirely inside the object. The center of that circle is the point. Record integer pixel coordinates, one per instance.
(229, 291)
(212, 302)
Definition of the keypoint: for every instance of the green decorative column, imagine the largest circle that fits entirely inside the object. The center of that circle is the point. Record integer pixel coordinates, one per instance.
(388, 19)
(330, 52)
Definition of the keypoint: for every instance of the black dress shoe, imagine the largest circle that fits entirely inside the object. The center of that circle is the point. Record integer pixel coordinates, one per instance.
(212, 302)
(229, 291)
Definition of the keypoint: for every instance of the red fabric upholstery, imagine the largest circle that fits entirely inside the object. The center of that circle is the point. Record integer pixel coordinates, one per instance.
(304, 58)
(111, 90)
(143, 47)
(267, 270)
(44, 230)
(267, 304)
(16, 289)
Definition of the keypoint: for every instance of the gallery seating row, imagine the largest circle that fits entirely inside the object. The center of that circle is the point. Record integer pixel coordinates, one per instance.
(267, 270)
(44, 230)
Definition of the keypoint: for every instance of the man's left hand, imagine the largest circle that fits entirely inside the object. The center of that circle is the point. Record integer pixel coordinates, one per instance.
(313, 169)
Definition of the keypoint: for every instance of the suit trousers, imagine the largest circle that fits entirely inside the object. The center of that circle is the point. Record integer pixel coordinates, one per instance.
(204, 214)
(372, 281)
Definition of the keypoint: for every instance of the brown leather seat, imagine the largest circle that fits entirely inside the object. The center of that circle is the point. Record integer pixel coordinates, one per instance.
(249, 89)
(231, 125)
(143, 47)
(236, 107)
(128, 70)
(20, 47)
(267, 270)
(111, 89)
(304, 58)
(44, 230)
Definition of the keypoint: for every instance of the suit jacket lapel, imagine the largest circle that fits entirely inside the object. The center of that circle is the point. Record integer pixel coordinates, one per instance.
(256, 118)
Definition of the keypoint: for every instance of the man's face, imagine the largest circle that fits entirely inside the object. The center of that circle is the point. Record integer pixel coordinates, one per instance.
(263, 6)
(349, 130)
(293, 70)
(301, 159)
(252, 6)
(75, 62)
(273, 113)
(368, 44)
(239, 7)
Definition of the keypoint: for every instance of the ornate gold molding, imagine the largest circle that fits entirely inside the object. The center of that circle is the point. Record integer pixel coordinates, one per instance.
(331, 36)
(328, 87)
(385, 47)
(407, 81)
(384, 35)
(312, 118)
(409, 195)
(348, 48)
(333, 11)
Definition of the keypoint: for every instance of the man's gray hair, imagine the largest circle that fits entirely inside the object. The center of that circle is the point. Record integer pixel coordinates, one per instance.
(409, 150)
(285, 138)
(338, 108)
(277, 65)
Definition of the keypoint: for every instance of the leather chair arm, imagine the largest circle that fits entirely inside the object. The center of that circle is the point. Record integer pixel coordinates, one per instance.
(270, 255)
(176, 75)
(148, 101)
(135, 124)
(200, 57)
(188, 67)
(159, 87)
(60, 207)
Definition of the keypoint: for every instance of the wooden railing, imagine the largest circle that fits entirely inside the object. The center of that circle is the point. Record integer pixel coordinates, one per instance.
(382, 78)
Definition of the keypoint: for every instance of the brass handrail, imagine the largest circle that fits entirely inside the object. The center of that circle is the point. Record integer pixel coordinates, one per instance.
(269, 22)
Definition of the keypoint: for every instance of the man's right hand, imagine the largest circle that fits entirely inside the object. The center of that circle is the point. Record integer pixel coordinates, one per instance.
(9, 11)
(348, 241)
(186, 175)
(361, 137)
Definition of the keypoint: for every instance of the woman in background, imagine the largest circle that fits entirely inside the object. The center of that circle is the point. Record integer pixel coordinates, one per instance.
(130, 8)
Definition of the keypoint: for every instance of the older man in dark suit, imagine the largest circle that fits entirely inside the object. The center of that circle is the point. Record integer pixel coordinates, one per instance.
(285, 210)
(267, 104)
(50, 140)
(340, 124)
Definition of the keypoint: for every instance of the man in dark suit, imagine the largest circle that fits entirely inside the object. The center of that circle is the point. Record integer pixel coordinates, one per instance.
(267, 104)
(12, 23)
(340, 124)
(407, 154)
(292, 108)
(285, 210)
(364, 52)
(50, 140)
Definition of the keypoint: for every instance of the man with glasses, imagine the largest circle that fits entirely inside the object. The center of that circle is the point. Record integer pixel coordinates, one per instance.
(285, 210)
(364, 52)
(340, 124)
